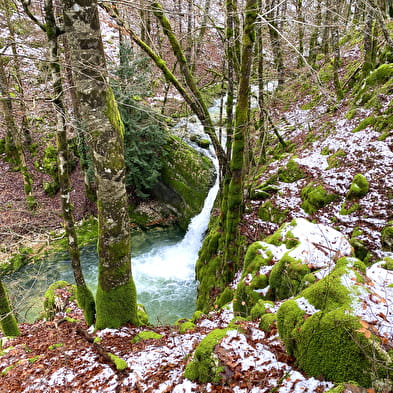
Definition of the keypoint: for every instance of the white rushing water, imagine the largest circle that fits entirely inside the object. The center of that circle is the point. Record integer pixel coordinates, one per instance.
(165, 275)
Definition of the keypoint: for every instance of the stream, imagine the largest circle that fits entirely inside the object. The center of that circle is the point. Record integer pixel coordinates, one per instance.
(163, 264)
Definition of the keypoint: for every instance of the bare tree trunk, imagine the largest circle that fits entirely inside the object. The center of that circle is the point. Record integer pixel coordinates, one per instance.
(369, 43)
(202, 32)
(14, 133)
(116, 293)
(326, 26)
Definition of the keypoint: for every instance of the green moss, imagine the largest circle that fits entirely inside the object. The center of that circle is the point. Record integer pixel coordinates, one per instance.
(286, 277)
(359, 187)
(351, 114)
(290, 240)
(349, 208)
(360, 249)
(350, 262)
(256, 256)
(186, 326)
(315, 197)
(50, 297)
(245, 299)
(337, 159)
(225, 297)
(120, 363)
(8, 322)
(330, 345)
(112, 112)
(143, 317)
(291, 172)
(97, 340)
(146, 335)
(263, 191)
(268, 321)
(54, 346)
(387, 238)
(269, 213)
(205, 366)
(368, 121)
(258, 310)
(85, 300)
(116, 307)
(197, 315)
(289, 317)
(189, 175)
(388, 265)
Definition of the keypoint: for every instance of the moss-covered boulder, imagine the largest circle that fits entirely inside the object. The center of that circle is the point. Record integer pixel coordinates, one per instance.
(186, 178)
(359, 187)
(288, 261)
(205, 365)
(332, 327)
(291, 172)
(57, 298)
(269, 213)
(387, 237)
(315, 197)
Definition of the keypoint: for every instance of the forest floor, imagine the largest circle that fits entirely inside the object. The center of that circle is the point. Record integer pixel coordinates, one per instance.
(65, 356)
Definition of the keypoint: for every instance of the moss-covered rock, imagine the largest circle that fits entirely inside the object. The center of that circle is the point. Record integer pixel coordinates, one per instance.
(205, 365)
(54, 303)
(186, 179)
(315, 197)
(359, 187)
(269, 213)
(291, 172)
(286, 277)
(146, 335)
(321, 330)
(387, 237)
(268, 321)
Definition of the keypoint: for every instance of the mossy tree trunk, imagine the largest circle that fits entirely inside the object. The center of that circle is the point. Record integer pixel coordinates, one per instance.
(8, 322)
(24, 125)
(14, 137)
(335, 36)
(84, 296)
(236, 185)
(116, 294)
(275, 39)
(314, 46)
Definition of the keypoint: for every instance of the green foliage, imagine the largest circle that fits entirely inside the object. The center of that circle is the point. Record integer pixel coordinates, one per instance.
(225, 297)
(144, 137)
(205, 366)
(359, 187)
(388, 263)
(145, 335)
(315, 197)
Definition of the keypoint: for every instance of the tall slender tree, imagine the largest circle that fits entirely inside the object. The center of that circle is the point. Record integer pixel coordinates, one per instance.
(116, 292)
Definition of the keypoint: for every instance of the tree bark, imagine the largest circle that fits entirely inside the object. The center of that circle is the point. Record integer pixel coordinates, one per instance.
(235, 189)
(14, 133)
(116, 294)
(8, 322)
(84, 296)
